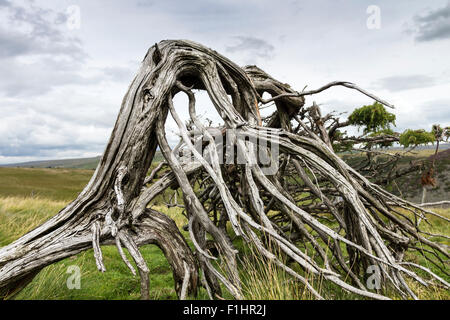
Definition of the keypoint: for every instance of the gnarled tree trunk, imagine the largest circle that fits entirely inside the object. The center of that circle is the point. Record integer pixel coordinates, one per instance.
(113, 207)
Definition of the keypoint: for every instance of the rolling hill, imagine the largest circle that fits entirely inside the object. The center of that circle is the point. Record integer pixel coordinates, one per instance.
(78, 163)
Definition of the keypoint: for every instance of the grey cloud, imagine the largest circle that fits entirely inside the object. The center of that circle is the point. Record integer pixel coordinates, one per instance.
(13, 45)
(433, 25)
(40, 134)
(40, 76)
(442, 13)
(39, 31)
(437, 111)
(36, 53)
(118, 73)
(60, 18)
(16, 44)
(199, 8)
(145, 3)
(254, 47)
(424, 115)
(43, 75)
(399, 83)
(49, 151)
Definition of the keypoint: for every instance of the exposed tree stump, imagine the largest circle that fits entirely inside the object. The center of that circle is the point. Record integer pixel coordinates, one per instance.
(113, 207)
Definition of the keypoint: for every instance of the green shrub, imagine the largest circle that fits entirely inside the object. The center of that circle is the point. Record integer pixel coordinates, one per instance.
(416, 137)
(372, 117)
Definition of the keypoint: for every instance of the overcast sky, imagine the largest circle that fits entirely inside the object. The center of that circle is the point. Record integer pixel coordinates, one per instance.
(65, 65)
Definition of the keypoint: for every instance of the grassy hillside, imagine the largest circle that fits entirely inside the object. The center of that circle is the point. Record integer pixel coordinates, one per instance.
(412, 189)
(78, 163)
(54, 184)
(19, 215)
(409, 186)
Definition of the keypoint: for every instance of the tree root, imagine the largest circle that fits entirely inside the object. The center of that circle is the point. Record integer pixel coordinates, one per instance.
(313, 199)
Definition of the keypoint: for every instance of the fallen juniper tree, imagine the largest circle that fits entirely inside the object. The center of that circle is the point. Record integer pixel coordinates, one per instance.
(274, 211)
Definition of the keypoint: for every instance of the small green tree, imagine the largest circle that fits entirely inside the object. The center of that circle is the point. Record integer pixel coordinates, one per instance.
(373, 117)
(416, 137)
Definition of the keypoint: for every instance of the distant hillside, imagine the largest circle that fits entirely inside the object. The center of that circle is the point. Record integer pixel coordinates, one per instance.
(442, 146)
(409, 186)
(79, 163)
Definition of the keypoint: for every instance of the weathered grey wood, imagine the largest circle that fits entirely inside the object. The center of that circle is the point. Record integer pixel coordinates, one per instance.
(115, 206)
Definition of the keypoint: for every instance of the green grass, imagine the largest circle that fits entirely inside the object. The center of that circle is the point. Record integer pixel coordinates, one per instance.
(19, 215)
(54, 184)
(29, 196)
(117, 283)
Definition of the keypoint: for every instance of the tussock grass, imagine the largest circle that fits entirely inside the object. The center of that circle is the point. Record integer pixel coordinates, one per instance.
(19, 215)
(55, 184)
(175, 213)
(264, 280)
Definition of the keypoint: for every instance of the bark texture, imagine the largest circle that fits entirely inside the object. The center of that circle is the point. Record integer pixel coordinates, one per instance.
(311, 188)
